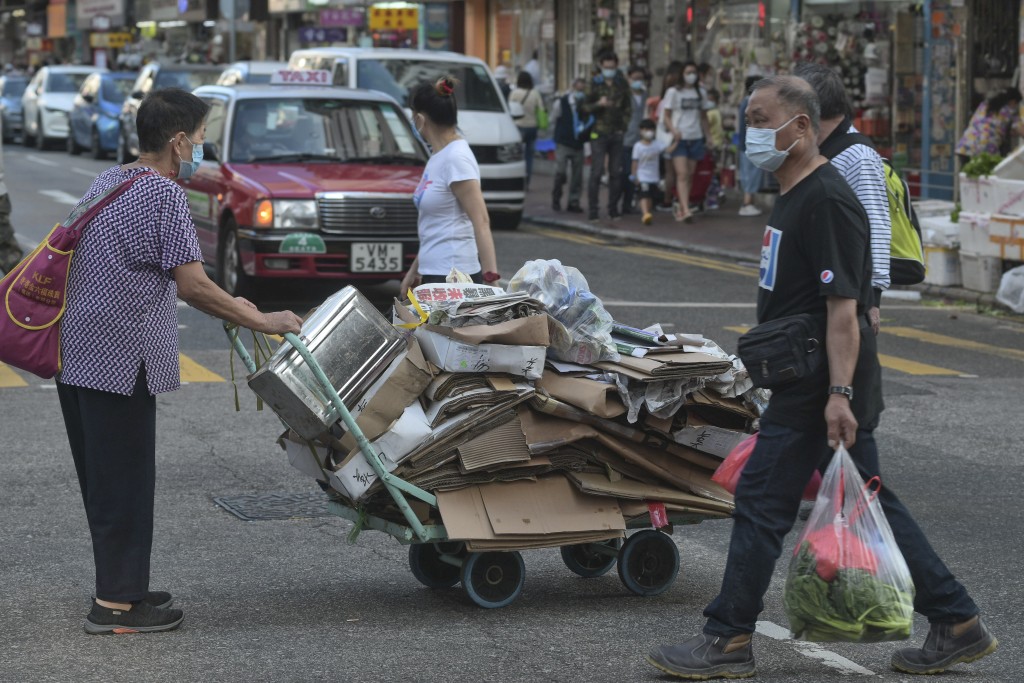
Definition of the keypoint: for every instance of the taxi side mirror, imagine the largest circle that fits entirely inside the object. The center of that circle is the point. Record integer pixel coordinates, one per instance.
(210, 151)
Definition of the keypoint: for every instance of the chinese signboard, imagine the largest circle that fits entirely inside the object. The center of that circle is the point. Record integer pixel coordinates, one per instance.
(404, 19)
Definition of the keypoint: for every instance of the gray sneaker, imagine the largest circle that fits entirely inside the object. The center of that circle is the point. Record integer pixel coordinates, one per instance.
(946, 645)
(703, 657)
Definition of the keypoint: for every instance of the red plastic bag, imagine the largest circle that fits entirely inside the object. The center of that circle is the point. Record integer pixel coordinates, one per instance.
(728, 473)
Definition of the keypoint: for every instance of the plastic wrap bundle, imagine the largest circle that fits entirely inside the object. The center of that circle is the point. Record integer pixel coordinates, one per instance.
(565, 293)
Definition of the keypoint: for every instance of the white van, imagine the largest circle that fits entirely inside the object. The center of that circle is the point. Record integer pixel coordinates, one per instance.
(483, 112)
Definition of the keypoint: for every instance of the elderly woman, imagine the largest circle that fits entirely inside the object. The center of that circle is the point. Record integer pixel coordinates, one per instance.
(119, 344)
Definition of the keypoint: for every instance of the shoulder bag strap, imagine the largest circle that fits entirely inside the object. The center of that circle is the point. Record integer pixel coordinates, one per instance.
(83, 219)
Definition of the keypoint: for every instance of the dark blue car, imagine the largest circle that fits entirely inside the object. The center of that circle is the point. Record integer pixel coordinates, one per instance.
(94, 123)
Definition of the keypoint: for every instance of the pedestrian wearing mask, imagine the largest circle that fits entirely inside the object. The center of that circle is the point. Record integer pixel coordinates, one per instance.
(10, 251)
(673, 76)
(454, 227)
(530, 100)
(815, 260)
(645, 165)
(686, 118)
(638, 90)
(119, 348)
(571, 131)
(611, 104)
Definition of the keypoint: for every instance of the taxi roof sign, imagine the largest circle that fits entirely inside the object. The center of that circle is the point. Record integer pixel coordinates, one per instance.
(300, 77)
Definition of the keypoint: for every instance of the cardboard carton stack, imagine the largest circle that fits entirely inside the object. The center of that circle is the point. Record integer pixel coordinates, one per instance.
(525, 451)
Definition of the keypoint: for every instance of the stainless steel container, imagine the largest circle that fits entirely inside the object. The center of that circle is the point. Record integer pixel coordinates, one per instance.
(353, 344)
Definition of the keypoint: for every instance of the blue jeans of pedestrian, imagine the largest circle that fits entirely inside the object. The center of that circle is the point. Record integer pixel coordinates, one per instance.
(529, 149)
(767, 500)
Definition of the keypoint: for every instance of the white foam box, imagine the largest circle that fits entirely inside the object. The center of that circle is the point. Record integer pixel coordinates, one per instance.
(926, 208)
(1005, 238)
(980, 273)
(940, 231)
(973, 231)
(990, 194)
(942, 266)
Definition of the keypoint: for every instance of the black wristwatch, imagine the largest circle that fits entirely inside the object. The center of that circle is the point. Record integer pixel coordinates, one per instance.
(845, 391)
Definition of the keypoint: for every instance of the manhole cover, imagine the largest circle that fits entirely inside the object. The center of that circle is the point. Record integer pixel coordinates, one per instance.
(270, 506)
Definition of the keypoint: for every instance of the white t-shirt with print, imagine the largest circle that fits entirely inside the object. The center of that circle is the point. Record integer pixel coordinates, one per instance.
(686, 105)
(446, 234)
(648, 160)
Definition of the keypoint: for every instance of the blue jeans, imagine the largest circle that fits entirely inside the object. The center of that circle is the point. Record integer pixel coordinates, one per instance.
(767, 500)
(529, 148)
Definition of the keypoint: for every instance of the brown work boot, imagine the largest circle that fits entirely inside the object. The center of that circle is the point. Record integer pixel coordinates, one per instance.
(705, 656)
(946, 645)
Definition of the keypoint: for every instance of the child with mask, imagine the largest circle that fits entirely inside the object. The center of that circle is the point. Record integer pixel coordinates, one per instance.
(638, 90)
(646, 170)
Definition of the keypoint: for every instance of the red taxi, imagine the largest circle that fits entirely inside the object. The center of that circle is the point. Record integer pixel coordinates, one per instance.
(305, 182)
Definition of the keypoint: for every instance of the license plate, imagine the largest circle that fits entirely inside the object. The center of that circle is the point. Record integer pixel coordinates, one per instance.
(376, 257)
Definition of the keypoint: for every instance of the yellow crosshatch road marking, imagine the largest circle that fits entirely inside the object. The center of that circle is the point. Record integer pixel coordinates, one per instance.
(192, 371)
(909, 367)
(955, 342)
(9, 378)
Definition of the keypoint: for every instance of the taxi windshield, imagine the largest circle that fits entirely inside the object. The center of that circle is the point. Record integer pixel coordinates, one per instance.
(292, 130)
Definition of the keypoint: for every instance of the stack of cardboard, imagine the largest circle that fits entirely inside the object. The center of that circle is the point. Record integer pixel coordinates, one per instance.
(522, 453)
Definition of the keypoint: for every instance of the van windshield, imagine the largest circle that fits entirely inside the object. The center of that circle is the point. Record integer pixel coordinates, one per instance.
(396, 77)
(292, 130)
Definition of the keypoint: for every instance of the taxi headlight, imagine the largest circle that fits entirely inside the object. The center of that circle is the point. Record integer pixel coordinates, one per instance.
(295, 214)
(510, 152)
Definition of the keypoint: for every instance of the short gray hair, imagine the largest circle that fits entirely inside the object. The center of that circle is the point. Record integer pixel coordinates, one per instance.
(796, 95)
(829, 86)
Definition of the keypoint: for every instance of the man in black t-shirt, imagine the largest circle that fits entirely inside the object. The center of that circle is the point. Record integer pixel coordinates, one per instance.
(815, 258)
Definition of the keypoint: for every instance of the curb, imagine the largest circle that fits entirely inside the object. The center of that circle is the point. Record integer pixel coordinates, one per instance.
(980, 299)
(591, 229)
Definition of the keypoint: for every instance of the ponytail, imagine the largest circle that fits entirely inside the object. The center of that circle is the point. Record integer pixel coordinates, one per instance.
(436, 101)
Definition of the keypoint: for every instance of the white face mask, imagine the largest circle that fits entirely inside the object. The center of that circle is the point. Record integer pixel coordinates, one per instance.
(690, 78)
(761, 148)
(647, 134)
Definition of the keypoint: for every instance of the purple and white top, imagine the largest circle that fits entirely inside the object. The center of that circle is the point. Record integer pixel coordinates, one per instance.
(122, 300)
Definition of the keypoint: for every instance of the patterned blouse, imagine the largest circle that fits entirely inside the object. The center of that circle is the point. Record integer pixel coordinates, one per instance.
(122, 300)
(987, 133)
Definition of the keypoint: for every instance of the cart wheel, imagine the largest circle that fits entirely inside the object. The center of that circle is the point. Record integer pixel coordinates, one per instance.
(585, 560)
(493, 579)
(648, 562)
(428, 568)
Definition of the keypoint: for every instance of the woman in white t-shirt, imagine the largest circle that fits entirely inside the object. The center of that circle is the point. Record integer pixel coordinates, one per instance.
(454, 228)
(686, 117)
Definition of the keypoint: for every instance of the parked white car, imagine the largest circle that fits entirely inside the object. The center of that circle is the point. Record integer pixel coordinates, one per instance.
(484, 118)
(48, 100)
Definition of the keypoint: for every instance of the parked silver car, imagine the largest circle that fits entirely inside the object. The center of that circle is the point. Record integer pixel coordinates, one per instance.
(47, 102)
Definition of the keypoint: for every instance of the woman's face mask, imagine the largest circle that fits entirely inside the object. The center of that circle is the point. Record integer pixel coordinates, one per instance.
(690, 78)
(187, 169)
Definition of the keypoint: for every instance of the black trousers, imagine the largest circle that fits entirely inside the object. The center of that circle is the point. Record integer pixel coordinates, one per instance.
(113, 443)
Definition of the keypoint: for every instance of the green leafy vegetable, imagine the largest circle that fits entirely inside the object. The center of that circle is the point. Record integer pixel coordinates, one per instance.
(981, 165)
(855, 606)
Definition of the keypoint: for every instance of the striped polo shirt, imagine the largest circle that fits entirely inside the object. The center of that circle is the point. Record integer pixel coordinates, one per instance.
(862, 168)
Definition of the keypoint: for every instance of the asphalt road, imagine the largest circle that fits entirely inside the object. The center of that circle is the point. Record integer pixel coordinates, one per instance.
(294, 601)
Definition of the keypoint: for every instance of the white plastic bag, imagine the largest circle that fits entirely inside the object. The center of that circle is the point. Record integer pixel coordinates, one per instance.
(1011, 289)
(566, 295)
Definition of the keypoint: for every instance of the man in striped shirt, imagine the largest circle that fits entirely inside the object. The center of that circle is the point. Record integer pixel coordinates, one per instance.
(862, 168)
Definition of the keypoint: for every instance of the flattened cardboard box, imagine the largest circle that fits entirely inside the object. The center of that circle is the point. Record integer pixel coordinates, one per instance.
(455, 356)
(547, 506)
(597, 398)
(384, 402)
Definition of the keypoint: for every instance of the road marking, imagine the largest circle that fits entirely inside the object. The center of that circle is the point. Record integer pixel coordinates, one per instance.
(60, 196)
(570, 237)
(9, 378)
(813, 650)
(674, 304)
(909, 367)
(912, 367)
(40, 160)
(192, 371)
(955, 342)
(82, 171)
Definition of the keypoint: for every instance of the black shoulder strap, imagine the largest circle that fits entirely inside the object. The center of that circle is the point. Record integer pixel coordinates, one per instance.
(841, 140)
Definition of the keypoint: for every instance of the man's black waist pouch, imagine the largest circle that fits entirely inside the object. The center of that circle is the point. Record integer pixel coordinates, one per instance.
(783, 351)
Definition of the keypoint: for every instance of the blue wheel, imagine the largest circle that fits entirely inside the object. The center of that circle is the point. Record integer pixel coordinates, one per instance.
(587, 560)
(428, 567)
(648, 562)
(493, 579)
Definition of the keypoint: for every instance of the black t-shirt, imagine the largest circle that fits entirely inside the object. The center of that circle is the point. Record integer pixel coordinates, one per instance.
(816, 246)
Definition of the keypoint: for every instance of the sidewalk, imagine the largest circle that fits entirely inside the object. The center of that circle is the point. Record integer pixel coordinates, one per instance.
(720, 233)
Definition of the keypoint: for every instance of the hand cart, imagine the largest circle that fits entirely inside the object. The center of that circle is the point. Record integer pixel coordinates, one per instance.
(648, 560)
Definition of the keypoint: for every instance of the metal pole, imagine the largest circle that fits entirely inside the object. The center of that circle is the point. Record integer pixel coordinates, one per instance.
(231, 43)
